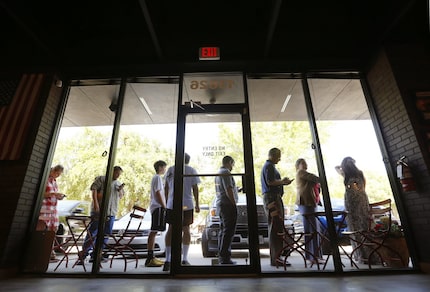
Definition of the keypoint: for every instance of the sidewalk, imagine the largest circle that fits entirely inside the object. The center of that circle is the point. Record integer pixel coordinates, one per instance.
(195, 258)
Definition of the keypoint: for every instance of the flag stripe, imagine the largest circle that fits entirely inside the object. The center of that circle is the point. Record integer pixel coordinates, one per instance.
(16, 118)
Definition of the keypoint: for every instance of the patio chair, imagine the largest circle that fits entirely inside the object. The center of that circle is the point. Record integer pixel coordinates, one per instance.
(373, 241)
(120, 244)
(293, 241)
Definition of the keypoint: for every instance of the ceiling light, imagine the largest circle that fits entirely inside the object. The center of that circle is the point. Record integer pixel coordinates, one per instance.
(145, 105)
(287, 99)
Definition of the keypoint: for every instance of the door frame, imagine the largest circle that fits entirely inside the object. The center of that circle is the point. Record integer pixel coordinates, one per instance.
(238, 108)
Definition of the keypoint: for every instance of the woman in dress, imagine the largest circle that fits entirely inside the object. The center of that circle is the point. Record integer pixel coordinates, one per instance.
(48, 211)
(356, 202)
(307, 200)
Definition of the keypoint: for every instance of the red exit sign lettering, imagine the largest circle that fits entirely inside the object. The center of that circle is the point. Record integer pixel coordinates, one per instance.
(209, 53)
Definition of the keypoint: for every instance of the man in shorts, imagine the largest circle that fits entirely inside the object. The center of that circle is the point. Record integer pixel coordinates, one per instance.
(190, 190)
(157, 208)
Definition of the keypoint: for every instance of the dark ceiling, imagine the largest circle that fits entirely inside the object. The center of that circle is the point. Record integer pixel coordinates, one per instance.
(67, 35)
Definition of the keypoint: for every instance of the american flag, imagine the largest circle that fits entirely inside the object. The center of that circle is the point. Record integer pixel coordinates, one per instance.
(16, 117)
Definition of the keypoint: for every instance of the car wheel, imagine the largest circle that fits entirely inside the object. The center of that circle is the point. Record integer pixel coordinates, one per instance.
(60, 230)
(205, 247)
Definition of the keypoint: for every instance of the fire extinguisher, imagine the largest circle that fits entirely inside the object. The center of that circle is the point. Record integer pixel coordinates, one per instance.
(405, 175)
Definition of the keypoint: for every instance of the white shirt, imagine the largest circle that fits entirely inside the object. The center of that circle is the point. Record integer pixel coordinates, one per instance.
(156, 185)
(187, 198)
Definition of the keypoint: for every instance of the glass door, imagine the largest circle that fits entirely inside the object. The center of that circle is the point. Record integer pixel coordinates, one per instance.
(356, 177)
(213, 129)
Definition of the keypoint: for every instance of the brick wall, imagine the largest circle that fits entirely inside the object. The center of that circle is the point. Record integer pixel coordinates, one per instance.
(391, 93)
(22, 180)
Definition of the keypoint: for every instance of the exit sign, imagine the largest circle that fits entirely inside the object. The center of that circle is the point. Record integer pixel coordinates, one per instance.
(209, 53)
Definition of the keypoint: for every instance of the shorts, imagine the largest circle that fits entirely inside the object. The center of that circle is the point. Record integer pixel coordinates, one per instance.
(187, 219)
(158, 220)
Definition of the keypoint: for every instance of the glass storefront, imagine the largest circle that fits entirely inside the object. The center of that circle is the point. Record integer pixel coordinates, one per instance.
(135, 122)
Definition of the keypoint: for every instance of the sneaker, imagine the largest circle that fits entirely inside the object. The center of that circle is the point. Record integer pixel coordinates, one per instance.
(185, 263)
(166, 266)
(154, 262)
(158, 260)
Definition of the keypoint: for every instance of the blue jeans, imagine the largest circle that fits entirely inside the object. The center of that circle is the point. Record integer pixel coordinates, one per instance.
(311, 238)
(93, 229)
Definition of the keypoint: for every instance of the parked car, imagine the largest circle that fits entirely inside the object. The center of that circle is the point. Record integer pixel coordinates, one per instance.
(140, 243)
(336, 205)
(209, 241)
(296, 220)
(71, 208)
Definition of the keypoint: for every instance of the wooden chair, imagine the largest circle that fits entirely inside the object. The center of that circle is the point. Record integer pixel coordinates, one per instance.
(120, 245)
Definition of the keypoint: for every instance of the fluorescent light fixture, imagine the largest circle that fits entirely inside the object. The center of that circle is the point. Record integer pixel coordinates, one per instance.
(287, 100)
(145, 105)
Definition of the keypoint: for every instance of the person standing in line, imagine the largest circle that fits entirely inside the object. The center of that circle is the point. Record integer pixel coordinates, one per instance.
(273, 189)
(306, 183)
(190, 190)
(226, 199)
(48, 211)
(97, 192)
(157, 208)
(356, 203)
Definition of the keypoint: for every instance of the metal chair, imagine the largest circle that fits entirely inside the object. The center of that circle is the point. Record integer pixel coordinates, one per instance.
(325, 240)
(292, 241)
(120, 245)
(373, 241)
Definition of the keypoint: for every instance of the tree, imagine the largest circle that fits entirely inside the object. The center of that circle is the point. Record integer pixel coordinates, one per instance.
(83, 158)
(292, 138)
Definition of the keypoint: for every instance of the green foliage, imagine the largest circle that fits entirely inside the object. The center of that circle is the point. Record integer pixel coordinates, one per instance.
(137, 155)
(83, 159)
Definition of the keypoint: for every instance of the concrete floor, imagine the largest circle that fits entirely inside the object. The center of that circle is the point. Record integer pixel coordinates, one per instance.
(296, 278)
(196, 258)
(153, 279)
(392, 283)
